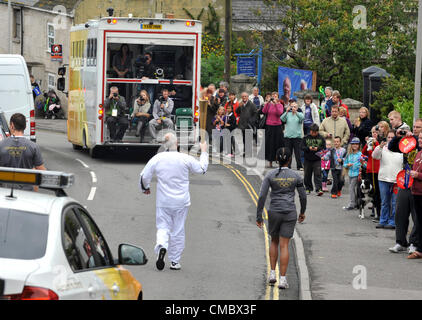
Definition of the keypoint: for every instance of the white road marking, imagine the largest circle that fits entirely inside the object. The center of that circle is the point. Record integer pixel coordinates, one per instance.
(92, 194)
(83, 163)
(94, 177)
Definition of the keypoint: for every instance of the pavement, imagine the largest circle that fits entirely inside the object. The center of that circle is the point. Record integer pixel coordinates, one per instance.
(57, 125)
(337, 255)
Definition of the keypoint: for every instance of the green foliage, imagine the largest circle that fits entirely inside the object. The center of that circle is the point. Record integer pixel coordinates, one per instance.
(212, 69)
(393, 92)
(321, 35)
(190, 15)
(212, 61)
(269, 82)
(213, 27)
(405, 107)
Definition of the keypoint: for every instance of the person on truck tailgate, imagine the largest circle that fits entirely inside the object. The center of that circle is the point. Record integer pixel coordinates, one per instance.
(116, 119)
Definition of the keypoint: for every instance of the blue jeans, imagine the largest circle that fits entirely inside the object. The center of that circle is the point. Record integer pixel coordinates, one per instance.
(388, 203)
(325, 174)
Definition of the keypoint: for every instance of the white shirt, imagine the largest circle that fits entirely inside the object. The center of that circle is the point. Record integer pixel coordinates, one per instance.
(261, 99)
(172, 170)
(391, 163)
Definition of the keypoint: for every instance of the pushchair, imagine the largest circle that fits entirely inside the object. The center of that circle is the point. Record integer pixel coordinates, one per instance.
(52, 107)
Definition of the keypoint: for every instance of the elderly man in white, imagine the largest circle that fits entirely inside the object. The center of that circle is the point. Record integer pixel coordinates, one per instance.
(172, 169)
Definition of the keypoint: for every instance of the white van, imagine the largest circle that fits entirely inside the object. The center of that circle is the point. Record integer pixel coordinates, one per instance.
(16, 91)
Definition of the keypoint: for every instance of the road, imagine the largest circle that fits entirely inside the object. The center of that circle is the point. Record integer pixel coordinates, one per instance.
(225, 255)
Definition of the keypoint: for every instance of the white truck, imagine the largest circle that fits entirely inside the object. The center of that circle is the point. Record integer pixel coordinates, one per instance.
(16, 91)
(175, 46)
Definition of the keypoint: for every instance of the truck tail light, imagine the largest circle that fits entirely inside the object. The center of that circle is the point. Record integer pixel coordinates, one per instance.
(100, 112)
(32, 123)
(33, 293)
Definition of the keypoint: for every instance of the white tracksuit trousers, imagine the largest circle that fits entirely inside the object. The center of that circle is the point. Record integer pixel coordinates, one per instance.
(170, 224)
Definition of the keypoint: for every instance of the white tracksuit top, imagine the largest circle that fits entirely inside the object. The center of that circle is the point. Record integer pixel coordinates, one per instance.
(172, 170)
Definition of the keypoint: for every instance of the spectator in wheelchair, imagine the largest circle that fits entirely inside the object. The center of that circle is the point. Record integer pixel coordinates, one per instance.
(161, 114)
(116, 115)
(141, 113)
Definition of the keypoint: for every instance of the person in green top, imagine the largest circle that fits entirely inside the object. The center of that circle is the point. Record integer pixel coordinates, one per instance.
(293, 120)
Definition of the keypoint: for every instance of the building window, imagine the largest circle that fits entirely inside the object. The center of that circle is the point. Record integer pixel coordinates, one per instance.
(50, 36)
(51, 81)
(17, 23)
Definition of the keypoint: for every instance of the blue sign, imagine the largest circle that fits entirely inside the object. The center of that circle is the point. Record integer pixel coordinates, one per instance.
(293, 80)
(246, 65)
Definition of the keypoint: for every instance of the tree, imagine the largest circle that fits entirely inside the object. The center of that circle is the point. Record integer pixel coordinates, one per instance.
(326, 36)
(395, 94)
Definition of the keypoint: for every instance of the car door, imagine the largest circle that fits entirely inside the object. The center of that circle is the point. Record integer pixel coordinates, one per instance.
(82, 283)
(119, 281)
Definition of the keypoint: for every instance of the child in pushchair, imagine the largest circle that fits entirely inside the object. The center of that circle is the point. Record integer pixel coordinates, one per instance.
(52, 108)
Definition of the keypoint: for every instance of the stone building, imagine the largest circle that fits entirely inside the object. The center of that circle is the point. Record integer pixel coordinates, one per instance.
(36, 25)
(93, 9)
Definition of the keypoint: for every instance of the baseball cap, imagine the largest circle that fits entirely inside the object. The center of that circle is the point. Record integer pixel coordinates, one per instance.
(355, 140)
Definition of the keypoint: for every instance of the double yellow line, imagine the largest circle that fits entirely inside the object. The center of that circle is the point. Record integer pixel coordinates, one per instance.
(255, 197)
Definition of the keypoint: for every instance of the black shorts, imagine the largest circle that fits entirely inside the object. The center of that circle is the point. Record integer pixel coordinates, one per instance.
(281, 224)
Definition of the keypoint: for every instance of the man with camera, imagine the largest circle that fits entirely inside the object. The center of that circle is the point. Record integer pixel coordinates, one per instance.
(247, 115)
(405, 201)
(221, 98)
(161, 113)
(116, 115)
(145, 70)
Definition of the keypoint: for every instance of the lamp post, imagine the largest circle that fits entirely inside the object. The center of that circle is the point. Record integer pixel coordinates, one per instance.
(227, 40)
(417, 98)
(9, 24)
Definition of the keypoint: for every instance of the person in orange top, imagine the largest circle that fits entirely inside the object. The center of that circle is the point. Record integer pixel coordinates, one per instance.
(337, 102)
(234, 104)
(372, 169)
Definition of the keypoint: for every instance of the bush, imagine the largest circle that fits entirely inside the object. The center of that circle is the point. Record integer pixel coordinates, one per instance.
(212, 69)
(393, 92)
(406, 110)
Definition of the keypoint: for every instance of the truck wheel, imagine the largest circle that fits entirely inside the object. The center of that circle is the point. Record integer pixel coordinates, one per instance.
(95, 152)
(76, 147)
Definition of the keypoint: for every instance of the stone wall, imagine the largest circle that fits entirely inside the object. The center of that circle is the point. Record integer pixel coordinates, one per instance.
(94, 9)
(34, 43)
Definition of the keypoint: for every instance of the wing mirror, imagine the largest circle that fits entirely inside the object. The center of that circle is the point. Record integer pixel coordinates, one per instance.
(131, 255)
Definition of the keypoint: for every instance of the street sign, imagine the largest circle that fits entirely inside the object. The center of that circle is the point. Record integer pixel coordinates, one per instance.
(56, 52)
(246, 65)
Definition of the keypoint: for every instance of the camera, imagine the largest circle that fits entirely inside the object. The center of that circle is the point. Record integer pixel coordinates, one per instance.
(272, 99)
(115, 94)
(401, 132)
(140, 66)
(143, 60)
(161, 99)
(377, 128)
(381, 139)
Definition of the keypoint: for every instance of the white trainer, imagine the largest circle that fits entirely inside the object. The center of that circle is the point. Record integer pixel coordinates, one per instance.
(397, 248)
(411, 249)
(272, 278)
(282, 284)
(175, 266)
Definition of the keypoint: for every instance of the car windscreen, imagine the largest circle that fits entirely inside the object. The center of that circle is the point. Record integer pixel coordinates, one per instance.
(13, 93)
(23, 235)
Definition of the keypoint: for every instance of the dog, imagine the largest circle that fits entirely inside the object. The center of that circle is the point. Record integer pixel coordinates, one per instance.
(365, 194)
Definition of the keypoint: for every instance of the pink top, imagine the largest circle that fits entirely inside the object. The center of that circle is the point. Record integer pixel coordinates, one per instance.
(273, 112)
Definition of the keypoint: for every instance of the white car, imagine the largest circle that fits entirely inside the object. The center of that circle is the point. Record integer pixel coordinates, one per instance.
(51, 248)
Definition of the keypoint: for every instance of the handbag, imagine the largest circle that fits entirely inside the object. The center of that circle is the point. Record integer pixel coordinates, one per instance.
(262, 122)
